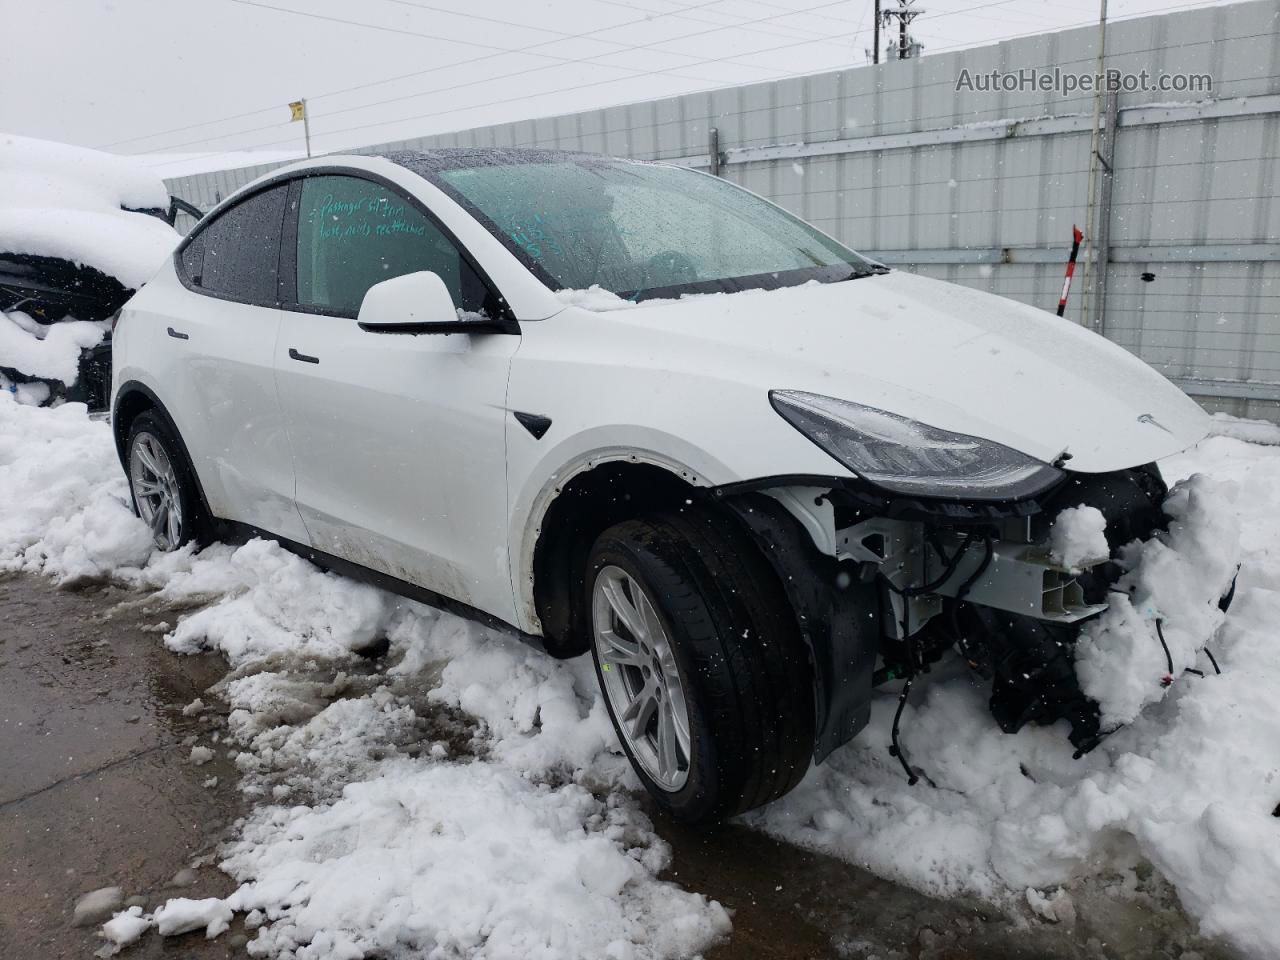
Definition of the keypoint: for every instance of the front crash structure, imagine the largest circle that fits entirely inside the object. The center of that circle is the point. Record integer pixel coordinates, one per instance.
(890, 586)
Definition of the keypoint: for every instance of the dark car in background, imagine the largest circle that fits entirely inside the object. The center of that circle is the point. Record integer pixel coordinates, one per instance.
(80, 232)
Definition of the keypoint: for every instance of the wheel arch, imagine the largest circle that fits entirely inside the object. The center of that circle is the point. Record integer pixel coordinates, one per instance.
(574, 508)
(132, 399)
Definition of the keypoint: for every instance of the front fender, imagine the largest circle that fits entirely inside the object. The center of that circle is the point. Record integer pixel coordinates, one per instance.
(550, 474)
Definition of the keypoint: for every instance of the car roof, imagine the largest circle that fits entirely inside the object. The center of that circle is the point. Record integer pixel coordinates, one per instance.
(429, 163)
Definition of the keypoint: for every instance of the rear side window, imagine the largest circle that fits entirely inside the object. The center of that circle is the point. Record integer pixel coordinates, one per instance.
(353, 233)
(237, 255)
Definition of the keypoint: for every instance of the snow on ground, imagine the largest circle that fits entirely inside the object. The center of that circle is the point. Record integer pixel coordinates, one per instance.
(515, 835)
(1193, 785)
(421, 784)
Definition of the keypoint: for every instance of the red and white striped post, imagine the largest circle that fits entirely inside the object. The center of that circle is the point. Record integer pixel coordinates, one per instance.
(1076, 237)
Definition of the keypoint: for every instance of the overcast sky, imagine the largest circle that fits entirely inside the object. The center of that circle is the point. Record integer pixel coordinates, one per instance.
(130, 75)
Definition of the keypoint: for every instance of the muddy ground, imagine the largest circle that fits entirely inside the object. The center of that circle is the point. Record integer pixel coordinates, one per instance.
(97, 789)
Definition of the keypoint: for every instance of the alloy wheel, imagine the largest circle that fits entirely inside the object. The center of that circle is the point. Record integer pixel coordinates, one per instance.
(155, 490)
(640, 678)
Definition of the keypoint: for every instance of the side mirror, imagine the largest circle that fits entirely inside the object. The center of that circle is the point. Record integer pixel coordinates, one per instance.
(420, 303)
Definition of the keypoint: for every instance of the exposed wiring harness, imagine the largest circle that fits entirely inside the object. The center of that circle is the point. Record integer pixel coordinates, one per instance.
(914, 664)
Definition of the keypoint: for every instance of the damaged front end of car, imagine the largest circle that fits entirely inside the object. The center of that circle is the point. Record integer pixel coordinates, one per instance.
(948, 543)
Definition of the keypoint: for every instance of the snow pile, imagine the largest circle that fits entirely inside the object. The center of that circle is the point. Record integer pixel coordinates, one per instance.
(63, 201)
(467, 859)
(273, 601)
(63, 497)
(462, 794)
(1079, 537)
(181, 915)
(508, 837)
(126, 927)
(1171, 611)
(1253, 431)
(47, 351)
(1190, 785)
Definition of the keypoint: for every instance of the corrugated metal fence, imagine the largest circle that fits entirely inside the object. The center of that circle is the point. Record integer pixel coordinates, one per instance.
(982, 188)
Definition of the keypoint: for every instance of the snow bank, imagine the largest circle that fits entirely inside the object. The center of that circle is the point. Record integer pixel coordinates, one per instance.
(463, 860)
(1253, 431)
(465, 793)
(1190, 785)
(63, 497)
(523, 847)
(1171, 610)
(62, 201)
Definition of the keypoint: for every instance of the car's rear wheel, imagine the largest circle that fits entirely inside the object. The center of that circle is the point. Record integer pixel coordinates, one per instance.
(701, 664)
(161, 482)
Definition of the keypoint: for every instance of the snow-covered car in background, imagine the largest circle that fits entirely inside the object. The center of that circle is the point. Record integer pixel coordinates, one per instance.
(634, 409)
(80, 231)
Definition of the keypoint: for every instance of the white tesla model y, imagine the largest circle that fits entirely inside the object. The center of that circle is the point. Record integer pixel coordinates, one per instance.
(636, 410)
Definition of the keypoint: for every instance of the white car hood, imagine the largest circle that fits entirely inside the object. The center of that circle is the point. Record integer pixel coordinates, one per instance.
(948, 356)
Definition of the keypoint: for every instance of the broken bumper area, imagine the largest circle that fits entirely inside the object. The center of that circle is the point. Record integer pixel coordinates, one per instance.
(1091, 638)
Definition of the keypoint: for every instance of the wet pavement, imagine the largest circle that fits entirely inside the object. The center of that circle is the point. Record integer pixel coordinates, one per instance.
(97, 789)
(96, 786)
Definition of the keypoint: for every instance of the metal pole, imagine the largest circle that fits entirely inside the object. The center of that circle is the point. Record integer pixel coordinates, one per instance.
(1093, 158)
(713, 151)
(1107, 172)
(306, 125)
(875, 50)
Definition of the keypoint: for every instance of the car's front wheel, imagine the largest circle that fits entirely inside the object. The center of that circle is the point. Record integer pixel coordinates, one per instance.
(701, 664)
(163, 488)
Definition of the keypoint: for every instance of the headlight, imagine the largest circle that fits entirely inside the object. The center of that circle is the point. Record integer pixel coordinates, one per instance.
(913, 458)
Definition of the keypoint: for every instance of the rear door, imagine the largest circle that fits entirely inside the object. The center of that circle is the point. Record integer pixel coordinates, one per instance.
(398, 441)
(220, 382)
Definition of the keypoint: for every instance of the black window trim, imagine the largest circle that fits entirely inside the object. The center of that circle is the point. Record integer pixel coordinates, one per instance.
(287, 268)
(205, 223)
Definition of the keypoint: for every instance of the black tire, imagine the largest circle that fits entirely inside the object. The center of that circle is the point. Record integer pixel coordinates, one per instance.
(194, 523)
(743, 665)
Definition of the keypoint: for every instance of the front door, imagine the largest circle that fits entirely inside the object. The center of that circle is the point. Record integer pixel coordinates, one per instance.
(398, 441)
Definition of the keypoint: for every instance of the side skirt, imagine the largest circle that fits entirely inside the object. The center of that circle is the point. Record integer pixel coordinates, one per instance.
(233, 531)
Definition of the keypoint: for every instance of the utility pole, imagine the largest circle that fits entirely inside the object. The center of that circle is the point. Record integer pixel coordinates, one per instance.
(1091, 195)
(905, 48)
(875, 42)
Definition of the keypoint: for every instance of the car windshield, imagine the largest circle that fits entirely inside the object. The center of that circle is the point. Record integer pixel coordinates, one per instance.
(643, 230)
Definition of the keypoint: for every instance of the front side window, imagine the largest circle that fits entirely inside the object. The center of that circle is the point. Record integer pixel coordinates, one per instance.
(353, 233)
(237, 255)
(644, 230)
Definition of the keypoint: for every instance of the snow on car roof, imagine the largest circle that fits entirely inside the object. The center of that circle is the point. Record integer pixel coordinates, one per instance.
(73, 203)
(428, 162)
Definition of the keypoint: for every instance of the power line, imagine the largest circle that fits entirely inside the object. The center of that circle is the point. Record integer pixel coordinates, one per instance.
(1072, 26)
(576, 86)
(633, 73)
(416, 73)
(669, 71)
(681, 15)
(325, 95)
